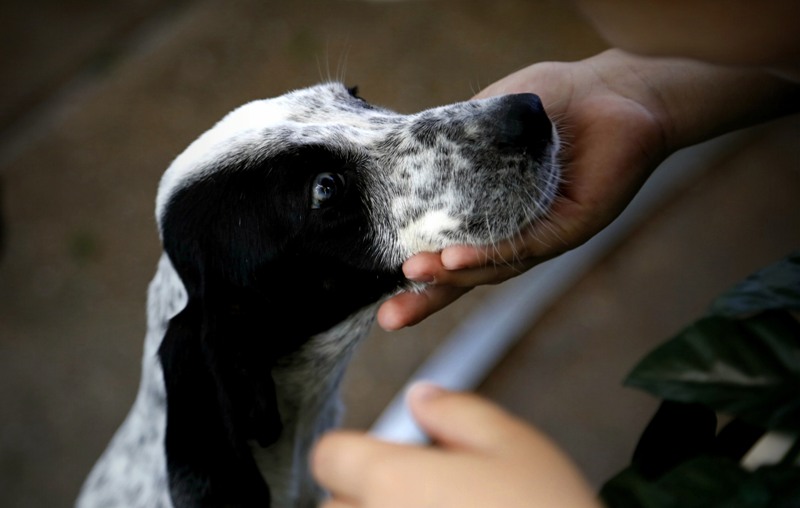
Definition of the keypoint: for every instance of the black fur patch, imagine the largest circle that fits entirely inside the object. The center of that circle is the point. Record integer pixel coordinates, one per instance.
(263, 272)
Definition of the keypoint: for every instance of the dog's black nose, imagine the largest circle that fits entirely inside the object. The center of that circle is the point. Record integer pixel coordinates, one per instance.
(522, 123)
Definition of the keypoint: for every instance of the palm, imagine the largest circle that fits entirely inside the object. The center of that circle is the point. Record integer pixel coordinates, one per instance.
(612, 141)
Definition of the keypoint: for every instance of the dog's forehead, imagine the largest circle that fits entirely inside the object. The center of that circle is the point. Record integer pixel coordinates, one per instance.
(297, 114)
(254, 131)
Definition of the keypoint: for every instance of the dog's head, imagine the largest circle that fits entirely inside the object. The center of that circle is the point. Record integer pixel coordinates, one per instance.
(291, 214)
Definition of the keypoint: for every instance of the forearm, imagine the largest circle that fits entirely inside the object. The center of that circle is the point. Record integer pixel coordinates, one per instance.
(695, 101)
(621, 115)
(738, 32)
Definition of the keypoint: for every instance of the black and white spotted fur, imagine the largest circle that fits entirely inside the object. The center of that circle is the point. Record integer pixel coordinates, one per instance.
(282, 228)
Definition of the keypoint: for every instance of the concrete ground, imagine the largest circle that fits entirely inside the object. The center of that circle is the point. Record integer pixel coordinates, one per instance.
(98, 97)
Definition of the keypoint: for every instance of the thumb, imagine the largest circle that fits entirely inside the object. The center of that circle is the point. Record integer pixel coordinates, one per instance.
(464, 421)
(522, 461)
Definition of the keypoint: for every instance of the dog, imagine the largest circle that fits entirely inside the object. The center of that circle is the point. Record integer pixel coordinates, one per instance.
(283, 227)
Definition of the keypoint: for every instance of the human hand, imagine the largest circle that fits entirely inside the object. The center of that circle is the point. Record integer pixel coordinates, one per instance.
(482, 457)
(613, 129)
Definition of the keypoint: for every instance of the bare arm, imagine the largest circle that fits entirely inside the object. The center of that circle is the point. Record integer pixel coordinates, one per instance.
(621, 115)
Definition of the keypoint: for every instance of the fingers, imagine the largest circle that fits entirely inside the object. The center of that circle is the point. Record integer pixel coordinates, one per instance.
(476, 276)
(470, 266)
(475, 427)
(361, 471)
(423, 267)
(446, 284)
(340, 461)
(467, 422)
(408, 309)
(523, 251)
(456, 421)
(458, 269)
(483, 457)
(529, 248)
(336, 503)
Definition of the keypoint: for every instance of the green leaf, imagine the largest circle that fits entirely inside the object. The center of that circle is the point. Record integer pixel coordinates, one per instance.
(706, 482)
(774, 287)
(748, 368)
(629, 489)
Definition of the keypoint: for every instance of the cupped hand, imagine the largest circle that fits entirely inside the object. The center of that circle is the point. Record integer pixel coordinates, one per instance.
(613, 129)
(482, 456)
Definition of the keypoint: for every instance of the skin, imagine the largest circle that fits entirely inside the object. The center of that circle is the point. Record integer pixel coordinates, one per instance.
(736, 32)
(683, 71)
(489, 458)
(621, 114)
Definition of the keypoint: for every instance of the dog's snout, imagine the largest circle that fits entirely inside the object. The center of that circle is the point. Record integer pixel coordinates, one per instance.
(522, 123)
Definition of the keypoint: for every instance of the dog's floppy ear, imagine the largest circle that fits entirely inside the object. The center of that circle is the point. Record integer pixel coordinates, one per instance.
(214, 407)
(252, 262)
(217, 354)
(220, 396)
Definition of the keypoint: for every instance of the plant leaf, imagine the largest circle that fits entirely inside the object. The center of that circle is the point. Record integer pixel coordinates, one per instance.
(676, 433)
(775, 287)
(629, 489)
(749, 368)
(706, 482)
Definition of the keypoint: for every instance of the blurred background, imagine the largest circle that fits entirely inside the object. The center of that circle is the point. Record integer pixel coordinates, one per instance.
(96, 99)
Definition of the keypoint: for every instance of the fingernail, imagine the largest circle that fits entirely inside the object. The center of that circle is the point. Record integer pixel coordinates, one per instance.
(427, 278)
(425, 390)
(451, 260)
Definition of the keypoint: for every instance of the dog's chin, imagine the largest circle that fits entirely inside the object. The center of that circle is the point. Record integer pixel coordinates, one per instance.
(524, 232)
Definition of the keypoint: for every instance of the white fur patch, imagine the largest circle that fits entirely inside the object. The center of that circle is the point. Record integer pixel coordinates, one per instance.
(426, 233)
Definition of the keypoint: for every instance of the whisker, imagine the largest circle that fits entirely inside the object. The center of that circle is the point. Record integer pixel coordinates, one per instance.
(324, 76)
(341, 65)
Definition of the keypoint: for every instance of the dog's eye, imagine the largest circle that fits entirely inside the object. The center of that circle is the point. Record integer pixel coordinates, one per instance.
(325, 189)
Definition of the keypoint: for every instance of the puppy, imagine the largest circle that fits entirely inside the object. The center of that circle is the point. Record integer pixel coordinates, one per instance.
(283, 226)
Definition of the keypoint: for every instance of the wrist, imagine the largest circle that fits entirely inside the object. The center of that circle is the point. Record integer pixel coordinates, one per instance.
(692, 101)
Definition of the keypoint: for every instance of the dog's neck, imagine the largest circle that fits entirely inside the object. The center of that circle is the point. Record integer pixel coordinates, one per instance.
(306, 381)
(134, 462)
(307, 384)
